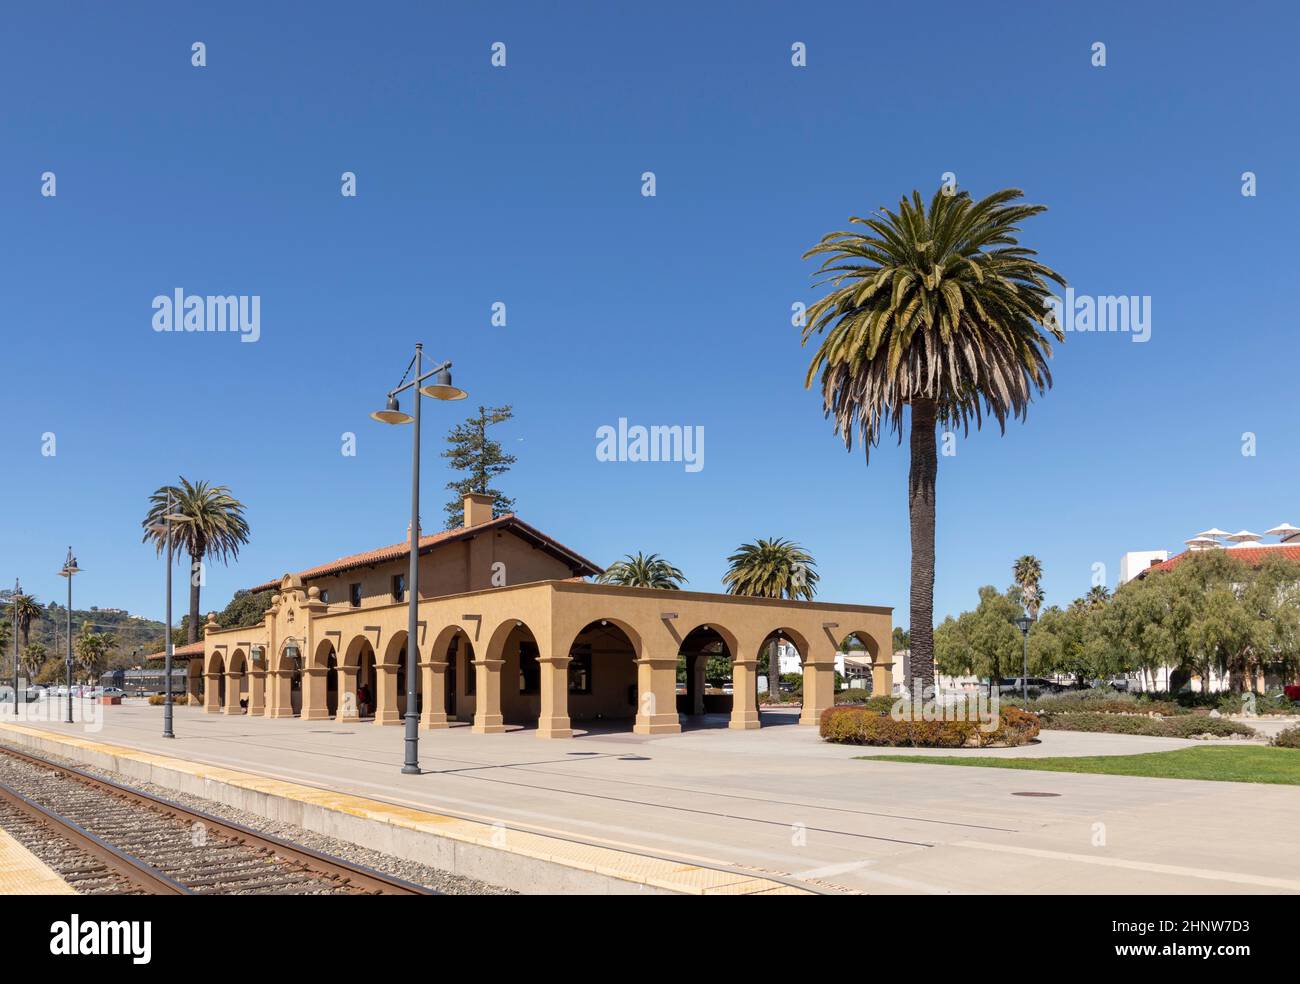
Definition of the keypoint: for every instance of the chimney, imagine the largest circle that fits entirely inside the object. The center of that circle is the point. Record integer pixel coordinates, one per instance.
(478, 508)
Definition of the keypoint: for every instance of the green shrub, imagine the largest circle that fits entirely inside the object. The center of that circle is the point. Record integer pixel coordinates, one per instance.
(1178, 726)
(1290, 738)
(854, 725)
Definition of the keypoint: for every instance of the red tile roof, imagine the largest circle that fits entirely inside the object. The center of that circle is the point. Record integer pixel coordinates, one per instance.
(181, 652)
(580, 564)
(1252, 556)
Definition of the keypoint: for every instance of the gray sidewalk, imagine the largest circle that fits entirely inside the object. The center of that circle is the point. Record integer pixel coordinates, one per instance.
(780, 801)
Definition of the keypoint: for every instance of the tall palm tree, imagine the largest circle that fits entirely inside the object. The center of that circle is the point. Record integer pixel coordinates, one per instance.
(1027, 572)
(92, 647)
(216, 528)
(775, 568)
(643, 571)
(941, 310)
(1097, 596)
(26, 610)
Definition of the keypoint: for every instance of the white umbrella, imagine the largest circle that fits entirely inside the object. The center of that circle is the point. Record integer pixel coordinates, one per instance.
(1201, 542)
(1285, 530)
(1214, 532)
(1244, 536)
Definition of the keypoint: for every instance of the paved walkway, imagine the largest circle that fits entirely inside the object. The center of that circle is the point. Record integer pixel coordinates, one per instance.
(780, 801)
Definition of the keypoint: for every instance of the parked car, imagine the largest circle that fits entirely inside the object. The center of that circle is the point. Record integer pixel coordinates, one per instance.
(28, 694)
(109, 692)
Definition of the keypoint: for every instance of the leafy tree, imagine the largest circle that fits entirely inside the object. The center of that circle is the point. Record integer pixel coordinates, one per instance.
(214, 528)
(984, 642)
(643, 571)
(482, 459)
(902, 638)
(937, 309)
(1027, 572)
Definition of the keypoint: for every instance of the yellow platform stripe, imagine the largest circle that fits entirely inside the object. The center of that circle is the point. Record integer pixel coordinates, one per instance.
(662, 873)
(23, 873)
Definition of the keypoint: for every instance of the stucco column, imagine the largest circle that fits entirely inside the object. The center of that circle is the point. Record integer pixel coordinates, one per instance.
(553, 722)
(386, 694)
(882, 679)
(315, 706)
(234, 682)
(744, 701)
(656, 696)
(347, 709)
(818, 689)
(192, 686)
(280, 701)
(433, 684)
(487, 704)
(256, 691)
(212, 693)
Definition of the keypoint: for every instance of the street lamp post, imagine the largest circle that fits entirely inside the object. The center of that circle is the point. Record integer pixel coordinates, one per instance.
(440, 389)
(1024, 621)
(18, 590)
(164, 526)
(70, 568)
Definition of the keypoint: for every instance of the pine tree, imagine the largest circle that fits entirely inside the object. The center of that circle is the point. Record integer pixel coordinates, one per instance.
(481, 459)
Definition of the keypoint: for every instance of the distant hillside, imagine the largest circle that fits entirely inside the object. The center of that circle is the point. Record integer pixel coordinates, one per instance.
(132, 632)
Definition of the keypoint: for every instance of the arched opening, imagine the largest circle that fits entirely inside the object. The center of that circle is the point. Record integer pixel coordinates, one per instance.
(855, 659)
(357, 692)
(780, 657)
(237, 671)
(390, 703)
(454, 648)
(602, 676)
(194, 680)
(290, 661)
(217, 666)
(704, 676)
(327, 658)
(521, 679)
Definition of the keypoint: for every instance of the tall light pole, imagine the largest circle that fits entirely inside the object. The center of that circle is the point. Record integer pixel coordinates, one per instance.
(164, 527)
(18, 590)
(440, 389)
(1024, 621)
(70, 568)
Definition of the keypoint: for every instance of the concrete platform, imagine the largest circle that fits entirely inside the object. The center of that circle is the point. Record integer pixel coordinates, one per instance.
(775, 804)
(23, 873)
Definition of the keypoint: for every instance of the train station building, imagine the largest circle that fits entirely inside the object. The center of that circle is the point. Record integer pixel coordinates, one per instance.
(512, 635)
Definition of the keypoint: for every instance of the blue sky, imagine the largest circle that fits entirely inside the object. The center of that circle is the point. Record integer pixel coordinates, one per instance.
(522, 185)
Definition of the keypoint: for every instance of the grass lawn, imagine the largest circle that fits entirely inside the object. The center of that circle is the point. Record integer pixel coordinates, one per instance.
(1247, 763)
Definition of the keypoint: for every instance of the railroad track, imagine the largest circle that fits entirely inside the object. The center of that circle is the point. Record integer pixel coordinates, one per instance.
(106, 838)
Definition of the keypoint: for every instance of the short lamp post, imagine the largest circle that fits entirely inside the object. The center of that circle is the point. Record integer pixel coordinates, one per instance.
(70, 569)
(439, 389)
(1024, 621)
(163, 527)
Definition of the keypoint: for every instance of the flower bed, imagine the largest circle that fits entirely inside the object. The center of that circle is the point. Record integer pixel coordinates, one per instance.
(849, 725)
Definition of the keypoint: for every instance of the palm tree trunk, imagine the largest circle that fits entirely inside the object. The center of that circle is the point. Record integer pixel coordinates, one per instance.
(920, 511)
(193, 633)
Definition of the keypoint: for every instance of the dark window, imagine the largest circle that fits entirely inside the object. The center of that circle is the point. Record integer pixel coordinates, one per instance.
(354, 594)
(530, 674)
(399, 587)
(325, 596)
(580, 669)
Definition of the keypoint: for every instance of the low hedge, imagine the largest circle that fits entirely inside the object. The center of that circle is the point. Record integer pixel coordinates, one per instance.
(854, 725)
(158, 699)
(1290, 738)
(1179, 726)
